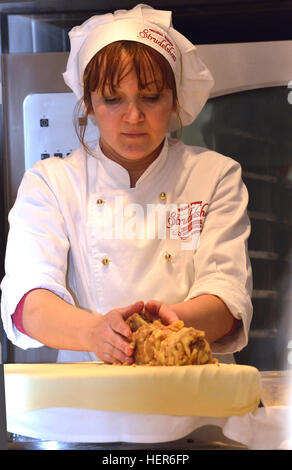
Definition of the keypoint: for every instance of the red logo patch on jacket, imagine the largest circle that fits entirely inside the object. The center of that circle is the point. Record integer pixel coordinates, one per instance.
(187, 220)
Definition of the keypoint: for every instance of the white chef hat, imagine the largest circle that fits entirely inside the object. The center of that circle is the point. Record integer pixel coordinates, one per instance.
(153, 28)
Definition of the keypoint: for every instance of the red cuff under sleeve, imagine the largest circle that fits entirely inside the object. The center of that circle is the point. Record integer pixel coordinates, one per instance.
(233, 328)
(17, 315)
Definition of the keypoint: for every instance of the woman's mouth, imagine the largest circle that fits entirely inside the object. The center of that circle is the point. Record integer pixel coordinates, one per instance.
(133, 135)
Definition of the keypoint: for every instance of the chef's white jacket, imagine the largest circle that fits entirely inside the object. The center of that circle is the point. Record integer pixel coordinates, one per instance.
(78, 229)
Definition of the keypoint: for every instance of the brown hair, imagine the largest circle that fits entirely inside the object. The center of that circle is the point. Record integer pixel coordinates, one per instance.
(107, 69)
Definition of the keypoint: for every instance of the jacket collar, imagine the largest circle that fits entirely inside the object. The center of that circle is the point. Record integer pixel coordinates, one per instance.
(113, 176)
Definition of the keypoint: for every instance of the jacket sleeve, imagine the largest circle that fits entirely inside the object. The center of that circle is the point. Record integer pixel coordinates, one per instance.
(221, 262)
(37, 250)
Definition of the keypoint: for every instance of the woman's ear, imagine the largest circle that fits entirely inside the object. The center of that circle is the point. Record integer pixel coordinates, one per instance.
(175, 106)
(89, 110)
(176, 110)
(88, 105)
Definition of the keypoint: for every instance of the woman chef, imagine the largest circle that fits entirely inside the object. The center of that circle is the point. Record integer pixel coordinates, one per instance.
(137, 217)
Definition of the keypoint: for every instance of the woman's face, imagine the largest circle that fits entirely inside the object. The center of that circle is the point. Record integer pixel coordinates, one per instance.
(132, 123)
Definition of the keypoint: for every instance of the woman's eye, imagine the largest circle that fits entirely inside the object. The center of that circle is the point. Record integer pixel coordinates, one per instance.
(151, 97)
(111, 100)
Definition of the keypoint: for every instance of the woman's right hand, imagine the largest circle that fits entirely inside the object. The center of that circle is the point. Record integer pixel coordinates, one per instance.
(108, 337)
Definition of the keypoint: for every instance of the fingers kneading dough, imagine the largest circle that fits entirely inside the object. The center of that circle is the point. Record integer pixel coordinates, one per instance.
(156, 344)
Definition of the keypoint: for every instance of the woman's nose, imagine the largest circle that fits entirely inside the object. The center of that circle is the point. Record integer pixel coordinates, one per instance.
(133, 113)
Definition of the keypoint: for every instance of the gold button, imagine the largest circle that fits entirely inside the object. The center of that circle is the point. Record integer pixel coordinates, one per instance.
(168, 257)
(162, 196)
(99, 202)
(105, 261)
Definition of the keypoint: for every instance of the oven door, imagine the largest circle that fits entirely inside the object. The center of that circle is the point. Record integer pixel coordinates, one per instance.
(249, 118)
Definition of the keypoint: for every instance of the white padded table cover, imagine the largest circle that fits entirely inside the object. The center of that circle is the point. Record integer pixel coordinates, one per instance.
(264, 428)
(208, 390)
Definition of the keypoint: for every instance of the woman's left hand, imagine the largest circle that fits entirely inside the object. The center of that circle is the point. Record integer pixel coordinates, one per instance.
(164, 311)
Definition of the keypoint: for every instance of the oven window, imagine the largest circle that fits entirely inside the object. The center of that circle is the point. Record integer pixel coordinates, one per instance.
(254, 127)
